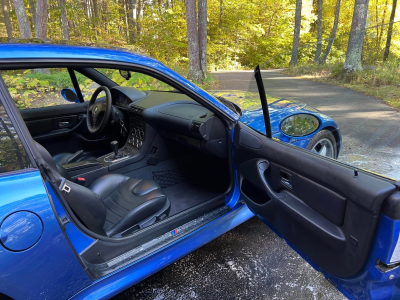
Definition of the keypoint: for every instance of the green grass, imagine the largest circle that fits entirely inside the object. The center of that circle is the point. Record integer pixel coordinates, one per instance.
(381, 81)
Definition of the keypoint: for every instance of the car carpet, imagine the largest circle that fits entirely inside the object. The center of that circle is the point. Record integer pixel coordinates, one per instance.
(186, 181)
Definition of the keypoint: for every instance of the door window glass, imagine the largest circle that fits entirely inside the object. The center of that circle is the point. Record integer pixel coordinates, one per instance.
(331, 121)
(12, 154)
(36, 88)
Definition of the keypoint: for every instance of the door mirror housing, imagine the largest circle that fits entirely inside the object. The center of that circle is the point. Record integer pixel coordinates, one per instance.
(70, 95)
(125, 74)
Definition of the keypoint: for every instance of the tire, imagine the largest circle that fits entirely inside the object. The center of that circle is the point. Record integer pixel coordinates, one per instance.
(324, 138)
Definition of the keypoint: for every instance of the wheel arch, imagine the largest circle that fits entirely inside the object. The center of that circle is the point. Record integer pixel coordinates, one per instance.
(336, 134)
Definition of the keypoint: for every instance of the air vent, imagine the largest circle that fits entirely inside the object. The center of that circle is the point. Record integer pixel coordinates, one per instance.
(195, 127)
(136, 110)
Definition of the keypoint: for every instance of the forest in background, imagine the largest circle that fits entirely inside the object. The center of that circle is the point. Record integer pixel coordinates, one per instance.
(240, 34)
(355, 43)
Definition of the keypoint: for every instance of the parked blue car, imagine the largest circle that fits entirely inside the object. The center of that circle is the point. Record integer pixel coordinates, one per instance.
(104, 191)
(292, 122)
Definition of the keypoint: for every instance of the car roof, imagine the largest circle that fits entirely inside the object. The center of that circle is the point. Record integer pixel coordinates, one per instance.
(52, 51)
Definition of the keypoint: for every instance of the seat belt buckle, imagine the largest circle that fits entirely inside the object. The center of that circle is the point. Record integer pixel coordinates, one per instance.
(81, 181)
(64, 187)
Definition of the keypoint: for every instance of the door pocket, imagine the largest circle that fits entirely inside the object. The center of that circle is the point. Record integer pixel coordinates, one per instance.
(326, 202)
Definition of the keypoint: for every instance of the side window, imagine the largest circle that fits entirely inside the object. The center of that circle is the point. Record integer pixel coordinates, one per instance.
(39, 87)
(334, 122)
(12, 154)
(137, 80)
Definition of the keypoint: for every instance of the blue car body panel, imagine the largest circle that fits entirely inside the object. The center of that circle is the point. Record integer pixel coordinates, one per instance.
(49, 269)
(57, 271)
(116, 282)
(279, 110)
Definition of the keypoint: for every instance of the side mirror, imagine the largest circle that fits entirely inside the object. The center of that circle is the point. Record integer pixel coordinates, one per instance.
(125, 74)
(70, 95)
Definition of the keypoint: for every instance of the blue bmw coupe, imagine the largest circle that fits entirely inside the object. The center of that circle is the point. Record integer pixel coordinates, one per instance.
(105, 183)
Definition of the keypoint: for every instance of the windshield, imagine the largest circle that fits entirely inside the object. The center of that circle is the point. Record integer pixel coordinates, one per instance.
(137, 80)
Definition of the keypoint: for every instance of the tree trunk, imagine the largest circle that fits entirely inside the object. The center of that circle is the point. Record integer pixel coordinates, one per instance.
(64, 20)
(95, 9)
(319, 39)
(296, 35)
(390, 31)
(193, 42)
(95, 17)
(41, 27)
(221, 12)
(126, 7)
(356, 37)
(333, 33)
(23, 23)
(32, 11)
(139, 17)
(132, 22)
(203, 36)
(41, 19)
(6, 19)
(382, 26)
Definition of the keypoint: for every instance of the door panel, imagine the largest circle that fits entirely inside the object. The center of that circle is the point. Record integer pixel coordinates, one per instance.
(325, 209)
(54, 126)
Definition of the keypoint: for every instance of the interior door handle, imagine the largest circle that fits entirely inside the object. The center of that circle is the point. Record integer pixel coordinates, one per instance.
(262, 167)
(287, 183)
(63, 124)
(286, 179)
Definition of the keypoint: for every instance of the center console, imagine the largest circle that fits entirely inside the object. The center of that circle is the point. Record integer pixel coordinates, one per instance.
(135, 139)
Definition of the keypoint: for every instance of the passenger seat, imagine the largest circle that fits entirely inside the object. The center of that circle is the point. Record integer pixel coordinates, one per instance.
(113, 203)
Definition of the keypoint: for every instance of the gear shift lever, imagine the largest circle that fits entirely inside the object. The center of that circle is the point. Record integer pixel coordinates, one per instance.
(114, 147)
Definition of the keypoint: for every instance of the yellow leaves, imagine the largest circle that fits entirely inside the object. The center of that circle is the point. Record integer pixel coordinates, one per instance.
(33, 83)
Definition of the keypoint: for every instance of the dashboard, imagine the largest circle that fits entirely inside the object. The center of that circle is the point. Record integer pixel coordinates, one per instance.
(174, 116)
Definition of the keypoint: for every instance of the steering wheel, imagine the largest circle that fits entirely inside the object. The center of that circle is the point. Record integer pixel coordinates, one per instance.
(98, 114)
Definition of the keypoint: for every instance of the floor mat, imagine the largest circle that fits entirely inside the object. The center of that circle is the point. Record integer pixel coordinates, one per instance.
(187, 194)
(171, 177)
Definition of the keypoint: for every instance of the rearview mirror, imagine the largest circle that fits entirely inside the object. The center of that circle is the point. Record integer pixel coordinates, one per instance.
(70, 95)
(125, 74)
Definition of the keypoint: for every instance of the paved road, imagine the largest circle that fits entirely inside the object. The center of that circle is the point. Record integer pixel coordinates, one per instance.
(370, 129)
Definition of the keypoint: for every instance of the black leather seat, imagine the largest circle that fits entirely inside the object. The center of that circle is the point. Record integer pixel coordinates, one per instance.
(130, 201)
(113, 203)
(66, 158)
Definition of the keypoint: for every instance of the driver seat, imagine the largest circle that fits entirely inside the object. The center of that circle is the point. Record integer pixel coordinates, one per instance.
(66, 158)
(114, 202)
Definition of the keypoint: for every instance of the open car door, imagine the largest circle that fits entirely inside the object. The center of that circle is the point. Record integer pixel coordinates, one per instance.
(344, 221)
